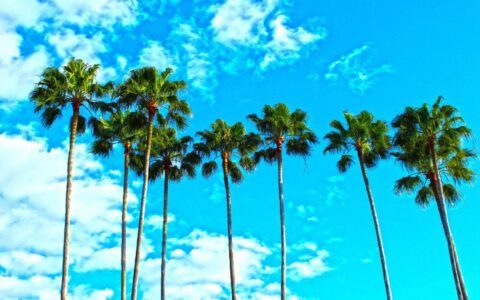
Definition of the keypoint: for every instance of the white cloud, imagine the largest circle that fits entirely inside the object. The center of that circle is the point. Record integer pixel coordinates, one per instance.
(199, 57)
(241, 22)
(287, 42)
(356, 70)
(19, 74)
(27, 13)
(105, 13)
(68, 43)
(122, 62)
(45, 288)
(307, 212)
(198, 267)
(40, 287)
(309, 265)
(157, 56)
(156, 221)
(82, 292)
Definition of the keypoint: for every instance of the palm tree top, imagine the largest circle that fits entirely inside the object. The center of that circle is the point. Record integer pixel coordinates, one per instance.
(421, 129)
(362, 133)
(118, 128)
(153, 92)
(74, 84)
(439, 124)
(227, 142)
(278, 125)
(168, 153)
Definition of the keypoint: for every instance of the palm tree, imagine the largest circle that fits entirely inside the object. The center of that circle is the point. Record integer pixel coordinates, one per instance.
(73, 85)
(430, 142)
(117, 129)
(156, 99)
(368, 138)
(172, 158)
(278, 127)
(234, 146)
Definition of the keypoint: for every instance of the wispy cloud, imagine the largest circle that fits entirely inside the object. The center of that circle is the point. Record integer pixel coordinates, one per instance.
(356, 70)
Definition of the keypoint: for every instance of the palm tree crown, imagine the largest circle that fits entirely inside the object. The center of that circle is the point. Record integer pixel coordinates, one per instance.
(277, 126)
(227, 142)
(169, 154)
(75, 84)
(155, 95)
(419, 132)
(118, 128)
(363, 134)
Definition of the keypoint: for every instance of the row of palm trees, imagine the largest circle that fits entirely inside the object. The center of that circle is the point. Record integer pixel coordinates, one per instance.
(143, 114)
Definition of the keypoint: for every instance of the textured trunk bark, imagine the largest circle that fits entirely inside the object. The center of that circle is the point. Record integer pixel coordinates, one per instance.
(440, 199)
(164, 237)
(142, 207)
(229, 224)
(383, 259)
(68, 196)
(124, 221)
(283, 279)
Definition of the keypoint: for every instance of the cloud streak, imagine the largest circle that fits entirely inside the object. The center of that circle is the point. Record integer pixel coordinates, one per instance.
(356, 70)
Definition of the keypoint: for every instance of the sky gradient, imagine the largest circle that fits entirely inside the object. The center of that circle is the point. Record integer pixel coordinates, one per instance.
(324, 57)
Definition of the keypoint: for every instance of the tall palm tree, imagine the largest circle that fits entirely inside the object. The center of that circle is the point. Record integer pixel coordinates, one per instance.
(234, 146)
(156, 99)
(171, 158)
(368, 138)
(117, 129)
(72, 85)
(280, 127)
(429, 141)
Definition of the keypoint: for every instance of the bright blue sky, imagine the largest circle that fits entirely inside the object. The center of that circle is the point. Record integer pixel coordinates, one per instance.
(237, 55)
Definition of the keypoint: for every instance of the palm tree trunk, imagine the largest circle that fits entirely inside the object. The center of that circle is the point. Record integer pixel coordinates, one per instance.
(124, 222)
(229, 224)
(440, 199)
(283, 279)
(164, 237)
(66, 233)
(383, 259)
(142, 207)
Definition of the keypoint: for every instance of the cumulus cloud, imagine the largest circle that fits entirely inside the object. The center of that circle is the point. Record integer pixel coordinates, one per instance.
(241, 22)
(15, 13)
(68, 43)
(355, 69)
(157, 56)
(198, 267)
(105, 13)
(310, 264)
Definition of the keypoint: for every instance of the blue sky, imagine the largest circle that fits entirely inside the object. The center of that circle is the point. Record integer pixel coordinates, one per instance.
(237, 55)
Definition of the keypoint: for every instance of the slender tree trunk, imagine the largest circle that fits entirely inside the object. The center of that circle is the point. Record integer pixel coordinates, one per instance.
(283, 279)
(142, 206)
(440, 199)
(383, 259)
(229, 224)
(165, 222)
(68, 198)
(124, 222)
